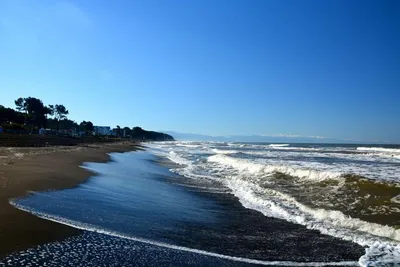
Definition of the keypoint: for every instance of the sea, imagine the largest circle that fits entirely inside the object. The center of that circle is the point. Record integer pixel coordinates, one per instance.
(227, 204)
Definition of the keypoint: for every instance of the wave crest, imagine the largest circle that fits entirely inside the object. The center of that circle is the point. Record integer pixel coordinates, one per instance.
(379, 149)
(247, 166)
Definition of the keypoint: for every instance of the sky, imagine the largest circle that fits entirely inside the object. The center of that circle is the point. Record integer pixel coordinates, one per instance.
(215, 67)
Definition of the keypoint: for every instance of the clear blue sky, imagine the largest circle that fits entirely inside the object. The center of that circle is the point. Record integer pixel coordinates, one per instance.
(326, 68)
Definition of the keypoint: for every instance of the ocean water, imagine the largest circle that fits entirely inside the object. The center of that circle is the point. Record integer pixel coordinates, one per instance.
(346, 191)
(228, 204)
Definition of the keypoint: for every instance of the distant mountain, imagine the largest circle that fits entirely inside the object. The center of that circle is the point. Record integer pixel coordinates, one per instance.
(261, 138)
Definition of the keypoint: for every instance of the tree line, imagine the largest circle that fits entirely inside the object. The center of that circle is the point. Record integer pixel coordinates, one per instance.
(31, 114)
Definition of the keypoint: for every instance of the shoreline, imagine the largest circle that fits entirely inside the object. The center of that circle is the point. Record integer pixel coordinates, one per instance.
(192, 219)
(43, 169)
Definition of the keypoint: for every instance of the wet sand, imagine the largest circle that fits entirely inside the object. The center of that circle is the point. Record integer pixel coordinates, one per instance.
(40, 169)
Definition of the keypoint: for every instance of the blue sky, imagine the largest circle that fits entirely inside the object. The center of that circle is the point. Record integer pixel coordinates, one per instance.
(217, 67)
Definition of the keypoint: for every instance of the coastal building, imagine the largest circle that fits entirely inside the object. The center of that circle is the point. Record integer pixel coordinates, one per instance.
(102, 130)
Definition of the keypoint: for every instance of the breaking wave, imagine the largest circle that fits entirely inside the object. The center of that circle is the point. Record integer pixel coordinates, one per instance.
(251, 167)
(278, 145)
(379, 149)
(243, 173)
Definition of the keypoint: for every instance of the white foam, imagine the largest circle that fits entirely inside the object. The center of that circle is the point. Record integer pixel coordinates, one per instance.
(382, 255)
(189, 145)
(333, 223)
(92, 228)
(278, 145)
(173, 156)
(251, 167)
(241, 175)
(383, 155)
(221, 151)
(395, 199)
(379, 149)
(276, 204)
(298, 148)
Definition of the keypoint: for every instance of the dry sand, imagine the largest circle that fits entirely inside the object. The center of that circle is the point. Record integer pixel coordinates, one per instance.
(40, 169)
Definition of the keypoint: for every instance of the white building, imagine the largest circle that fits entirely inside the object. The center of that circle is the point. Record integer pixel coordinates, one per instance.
(102, 130)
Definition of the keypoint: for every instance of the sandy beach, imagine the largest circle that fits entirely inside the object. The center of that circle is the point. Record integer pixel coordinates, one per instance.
(40, 169)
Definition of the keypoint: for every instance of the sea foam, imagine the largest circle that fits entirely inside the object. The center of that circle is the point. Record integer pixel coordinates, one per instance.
(253, 168)
(240, 175)
(94, 228)
(379, 149)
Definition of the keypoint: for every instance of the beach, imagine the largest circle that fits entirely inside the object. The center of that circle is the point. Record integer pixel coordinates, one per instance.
(135, 212)
(205, 204)
(41, 169)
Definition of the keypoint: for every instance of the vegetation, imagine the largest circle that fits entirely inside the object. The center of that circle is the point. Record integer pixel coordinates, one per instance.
(87, 126)
(140, 134)
(59, 112)
(35, 112)
(30, 115)
(9, 115)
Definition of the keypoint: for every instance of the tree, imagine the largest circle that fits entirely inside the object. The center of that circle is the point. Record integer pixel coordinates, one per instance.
(127, 131)
(137, 130)
(87, 125)
(35, 111)
(9, 115)
(20, 104)
(21, 107)
(141, 134)
(118, 131)
(60, 113)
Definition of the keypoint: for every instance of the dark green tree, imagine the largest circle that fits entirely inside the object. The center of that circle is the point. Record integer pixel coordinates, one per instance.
(118, 131)
(60, 113)
(9, 115)
(34, 109)
(20, 103)
(127, 131)
(87, 125)
(137, 130)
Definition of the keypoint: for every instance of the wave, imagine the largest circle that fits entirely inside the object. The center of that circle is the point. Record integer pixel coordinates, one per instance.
(275, 204)
(173, 156)
(388, 255)
(254, 168)
(242, 176)
(278, 145)
(220, 151)
(379, 149)
(383, 241)
(298, 148)
(189, 145)
(93, 228)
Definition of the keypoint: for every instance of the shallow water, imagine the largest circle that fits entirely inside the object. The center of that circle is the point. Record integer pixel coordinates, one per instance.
(135, 212)
(346, 191)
